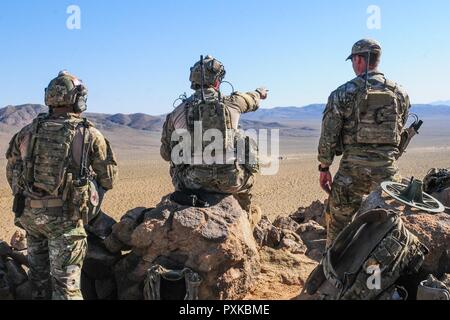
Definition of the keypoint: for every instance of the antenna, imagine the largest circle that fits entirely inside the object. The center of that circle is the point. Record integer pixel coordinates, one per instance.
(367, 70)
(202, 68)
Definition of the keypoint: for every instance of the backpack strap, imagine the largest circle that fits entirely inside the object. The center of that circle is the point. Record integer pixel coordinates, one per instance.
(29, 156)
(359, 82)
(85, 148)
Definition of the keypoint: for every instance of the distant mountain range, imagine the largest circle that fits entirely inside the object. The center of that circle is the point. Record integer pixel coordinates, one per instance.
(315, 112)
(13, 117)
(291, 120)
(441, 103)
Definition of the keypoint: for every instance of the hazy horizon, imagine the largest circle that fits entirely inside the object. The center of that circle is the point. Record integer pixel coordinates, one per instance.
(431, 104)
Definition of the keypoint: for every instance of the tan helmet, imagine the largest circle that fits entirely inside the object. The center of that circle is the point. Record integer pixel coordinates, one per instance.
(66, 90)
(214, 70)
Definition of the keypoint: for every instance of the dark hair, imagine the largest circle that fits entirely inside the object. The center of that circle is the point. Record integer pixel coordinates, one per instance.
(374, 59)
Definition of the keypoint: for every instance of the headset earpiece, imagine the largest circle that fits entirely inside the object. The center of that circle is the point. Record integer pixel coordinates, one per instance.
(81, 99)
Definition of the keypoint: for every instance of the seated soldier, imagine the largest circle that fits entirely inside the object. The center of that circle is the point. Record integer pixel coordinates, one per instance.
(204, 111)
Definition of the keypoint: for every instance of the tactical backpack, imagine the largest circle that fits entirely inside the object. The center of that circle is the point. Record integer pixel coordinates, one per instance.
(50, 172)
(49, 155)
(212, 114)
(376, 245)
(378, 114)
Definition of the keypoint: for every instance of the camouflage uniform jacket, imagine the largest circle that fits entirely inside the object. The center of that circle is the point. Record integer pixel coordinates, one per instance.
(339, 124)
(101, 158)
(237, 103)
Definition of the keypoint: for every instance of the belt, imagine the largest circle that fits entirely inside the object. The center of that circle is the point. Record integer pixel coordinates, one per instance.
(44, 204)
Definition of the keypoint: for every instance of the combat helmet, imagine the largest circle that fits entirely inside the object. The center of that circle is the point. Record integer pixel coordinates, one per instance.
(214, 70)
(66, 90)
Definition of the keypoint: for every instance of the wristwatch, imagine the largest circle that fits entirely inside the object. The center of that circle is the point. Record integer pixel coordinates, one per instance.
(321, 169)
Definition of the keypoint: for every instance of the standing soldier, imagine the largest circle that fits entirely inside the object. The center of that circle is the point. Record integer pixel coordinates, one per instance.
(59, 167)
(207, 107)
(364, 120)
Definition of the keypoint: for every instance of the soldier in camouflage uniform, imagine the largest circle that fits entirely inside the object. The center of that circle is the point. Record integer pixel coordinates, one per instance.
(364, 121)
(58, 168)
(225, 112)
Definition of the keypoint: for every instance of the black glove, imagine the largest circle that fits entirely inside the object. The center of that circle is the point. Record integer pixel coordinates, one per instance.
(5, 249)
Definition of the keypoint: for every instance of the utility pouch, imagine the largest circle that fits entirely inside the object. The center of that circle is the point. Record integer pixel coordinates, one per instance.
(19, 205)
(86, 200)
(378, 118)
(80, 199)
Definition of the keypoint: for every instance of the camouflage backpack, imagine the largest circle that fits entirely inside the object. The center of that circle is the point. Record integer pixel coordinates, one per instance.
(51, 173)
(48, 158)
(367, 259)
(212, 114)
(205, 116)
(378, 114)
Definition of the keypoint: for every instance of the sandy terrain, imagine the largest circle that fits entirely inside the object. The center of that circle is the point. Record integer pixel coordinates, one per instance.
(144, 178)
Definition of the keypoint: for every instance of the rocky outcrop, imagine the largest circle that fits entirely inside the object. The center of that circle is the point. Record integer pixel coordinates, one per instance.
(315, 212)
(301, 233)
(216, 242)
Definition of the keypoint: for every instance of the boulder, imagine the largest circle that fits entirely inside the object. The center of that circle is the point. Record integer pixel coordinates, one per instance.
(286, 223)
(280, 235)
(216, 242)
(434, 232)
(299, 233)
(120, 235)
(282, 273)
(444, 198)
(315, 212)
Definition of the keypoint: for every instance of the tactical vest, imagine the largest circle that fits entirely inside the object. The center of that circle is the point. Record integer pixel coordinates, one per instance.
(214, 115)
(376, 245)
(211, 114)
(378, 115)
(49, 155)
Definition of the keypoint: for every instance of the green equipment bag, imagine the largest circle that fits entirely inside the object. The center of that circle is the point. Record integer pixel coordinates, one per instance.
(164, 284)
(367, 259)
(379, 116)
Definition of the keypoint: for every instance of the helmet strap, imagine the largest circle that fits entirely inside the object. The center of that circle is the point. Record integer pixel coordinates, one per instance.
(62, 110)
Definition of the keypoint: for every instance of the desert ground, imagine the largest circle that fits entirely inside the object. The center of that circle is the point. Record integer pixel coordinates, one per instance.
(144, 177)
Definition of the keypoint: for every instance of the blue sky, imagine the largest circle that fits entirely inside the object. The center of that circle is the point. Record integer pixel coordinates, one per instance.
(135, 55)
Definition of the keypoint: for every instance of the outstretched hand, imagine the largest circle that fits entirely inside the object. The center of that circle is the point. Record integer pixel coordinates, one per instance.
(263, 92)
(326, 181)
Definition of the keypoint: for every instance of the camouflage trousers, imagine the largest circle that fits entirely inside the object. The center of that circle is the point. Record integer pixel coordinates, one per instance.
(226, 179)
(352, 182)
(56, 249)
